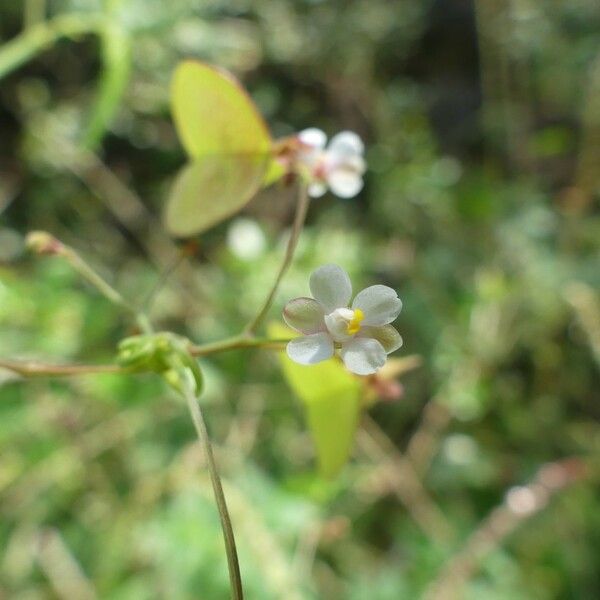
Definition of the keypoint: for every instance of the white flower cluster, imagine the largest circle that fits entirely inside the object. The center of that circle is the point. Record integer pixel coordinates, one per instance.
(339, 165)
(362, 332)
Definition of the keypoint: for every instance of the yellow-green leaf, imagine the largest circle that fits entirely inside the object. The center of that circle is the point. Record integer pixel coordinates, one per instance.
(214, 114)
(275, 172)
(332, 397)
(228, 144)
(210, 190)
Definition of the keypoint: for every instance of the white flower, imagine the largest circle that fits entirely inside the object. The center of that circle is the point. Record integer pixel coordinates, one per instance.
(363, 332)
(340, 166)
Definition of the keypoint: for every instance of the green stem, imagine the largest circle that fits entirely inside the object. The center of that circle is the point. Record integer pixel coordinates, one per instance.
(26, 368)
(116, 55)
(42, 242)
(235, 578)
(235, 343)
(41, 36)
(107, 290)
(301, 210)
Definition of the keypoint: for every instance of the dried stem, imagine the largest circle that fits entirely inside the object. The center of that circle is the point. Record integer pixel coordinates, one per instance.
(62, 569)
(301, 210)
(520, 504)
(423, 444)
(405, 482)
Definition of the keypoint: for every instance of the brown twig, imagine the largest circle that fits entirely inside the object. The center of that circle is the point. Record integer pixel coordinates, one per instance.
(404, 482)
(423, 444)
(520, 504)
(61, 568)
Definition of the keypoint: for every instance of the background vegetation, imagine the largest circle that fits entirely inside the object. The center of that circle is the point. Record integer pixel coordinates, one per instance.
(482, 125)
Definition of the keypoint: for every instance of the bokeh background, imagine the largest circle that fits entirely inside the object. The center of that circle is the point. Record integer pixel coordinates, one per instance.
(482, 125)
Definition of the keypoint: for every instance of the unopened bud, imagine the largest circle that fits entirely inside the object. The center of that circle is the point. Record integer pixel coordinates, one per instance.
(41, 242)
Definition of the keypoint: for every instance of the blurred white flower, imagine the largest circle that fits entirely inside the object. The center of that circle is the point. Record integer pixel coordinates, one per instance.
(339, 166)
(246, 239)
(363, 332)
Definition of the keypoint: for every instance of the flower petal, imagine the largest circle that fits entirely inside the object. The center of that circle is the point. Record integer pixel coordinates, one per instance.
(310, 349)
(379, 303)
(337, 324)
(304, 315)
(386, 335)
(346, 143)
(344, 183)
(316, 189)
(331, 287)
(313, 137)
(363, 356)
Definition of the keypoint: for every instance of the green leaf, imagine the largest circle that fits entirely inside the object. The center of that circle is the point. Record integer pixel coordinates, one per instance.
(275, 172)
(332, 397)
(227, 141)
(214, 114)
(210, 190)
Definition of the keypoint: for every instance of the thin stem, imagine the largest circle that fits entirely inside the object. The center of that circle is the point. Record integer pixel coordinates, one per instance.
(236, 343)
(30, 369)
(520, 504)
(44, 243)
(60, 566)
(301, 210)
(40, 37)
(107, 290)
(92, 277)
(163, 278)
(235, 578)
(425, 441)
(405, 482)
(36, 369)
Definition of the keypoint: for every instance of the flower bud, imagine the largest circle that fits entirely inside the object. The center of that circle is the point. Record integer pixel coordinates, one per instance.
(41, 242)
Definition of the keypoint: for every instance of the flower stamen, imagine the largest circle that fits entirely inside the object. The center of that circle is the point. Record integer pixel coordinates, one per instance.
(354, 323)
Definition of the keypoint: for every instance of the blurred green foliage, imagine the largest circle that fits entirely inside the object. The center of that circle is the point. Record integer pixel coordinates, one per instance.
(480, 207)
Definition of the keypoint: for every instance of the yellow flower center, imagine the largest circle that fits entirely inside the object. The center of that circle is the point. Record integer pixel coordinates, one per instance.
(354, 323)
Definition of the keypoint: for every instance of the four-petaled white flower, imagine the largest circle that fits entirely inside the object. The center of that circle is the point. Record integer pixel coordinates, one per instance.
(340, 166)
(363, 332)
